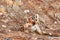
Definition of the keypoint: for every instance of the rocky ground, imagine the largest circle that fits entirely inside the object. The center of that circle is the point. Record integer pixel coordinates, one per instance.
(14, 12)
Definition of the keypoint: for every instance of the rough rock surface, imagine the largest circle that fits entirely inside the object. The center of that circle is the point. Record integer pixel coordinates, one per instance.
(13, 13)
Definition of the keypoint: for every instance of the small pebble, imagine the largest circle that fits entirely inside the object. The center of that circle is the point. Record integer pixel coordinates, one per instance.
(9, 30)
(1, 13)
(37, 17)
(7, 38)
(9, 9)
(26, 11)
(2, 8)
(49, 0)
(19, 2)
(44, 32)
(35, 38)
(6, 20)
(12, 14)
(9, 2)
(34, 27)
(51, 28)
(4, 26)
(50, 33)
(55, 22)
(16, 8)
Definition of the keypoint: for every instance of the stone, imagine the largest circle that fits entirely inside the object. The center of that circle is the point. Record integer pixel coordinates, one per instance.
(16, 8)
(1, 13)
(4, 26)
(9, 2)
(2, 8)
(26, 11)
(7, 39)
(19, 2)
(9, 9)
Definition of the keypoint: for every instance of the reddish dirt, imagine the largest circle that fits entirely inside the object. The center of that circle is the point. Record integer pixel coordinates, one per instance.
(13, 14)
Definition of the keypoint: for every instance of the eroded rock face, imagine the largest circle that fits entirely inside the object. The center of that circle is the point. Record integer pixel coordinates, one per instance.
(14, 12)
